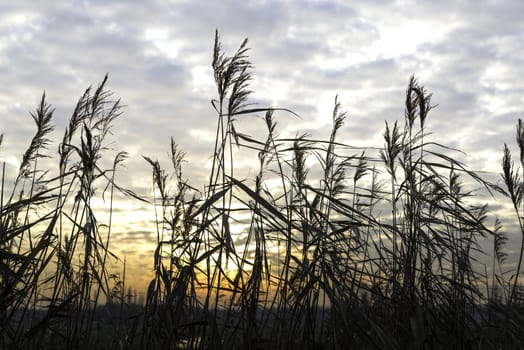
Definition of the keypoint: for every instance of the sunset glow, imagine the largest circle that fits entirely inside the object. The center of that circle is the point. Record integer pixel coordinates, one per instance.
(263, 174)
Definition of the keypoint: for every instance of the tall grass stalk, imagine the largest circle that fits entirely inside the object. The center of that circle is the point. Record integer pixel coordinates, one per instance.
(327, 246)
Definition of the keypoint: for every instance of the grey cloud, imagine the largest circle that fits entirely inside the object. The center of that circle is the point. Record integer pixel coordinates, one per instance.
(304, 53)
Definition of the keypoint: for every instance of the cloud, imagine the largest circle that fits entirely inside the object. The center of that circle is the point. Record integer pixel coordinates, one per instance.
(158, 57)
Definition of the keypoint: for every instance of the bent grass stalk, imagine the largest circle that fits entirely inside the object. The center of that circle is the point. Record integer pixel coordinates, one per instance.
(301, 256)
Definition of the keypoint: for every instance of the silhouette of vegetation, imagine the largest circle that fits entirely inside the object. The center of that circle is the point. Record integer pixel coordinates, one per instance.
(326, 247)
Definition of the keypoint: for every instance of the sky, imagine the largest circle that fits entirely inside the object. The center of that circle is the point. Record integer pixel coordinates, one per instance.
(468, 54)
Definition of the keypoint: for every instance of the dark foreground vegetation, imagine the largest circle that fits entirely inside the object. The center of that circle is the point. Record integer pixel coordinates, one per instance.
(325, 247)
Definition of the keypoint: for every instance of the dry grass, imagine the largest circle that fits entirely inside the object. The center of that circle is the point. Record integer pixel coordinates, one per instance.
(317, 265)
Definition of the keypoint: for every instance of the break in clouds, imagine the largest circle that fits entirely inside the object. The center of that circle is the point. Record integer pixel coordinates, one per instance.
(158, 58)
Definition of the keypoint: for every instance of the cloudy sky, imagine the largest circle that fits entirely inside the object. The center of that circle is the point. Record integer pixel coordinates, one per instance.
(158, 56)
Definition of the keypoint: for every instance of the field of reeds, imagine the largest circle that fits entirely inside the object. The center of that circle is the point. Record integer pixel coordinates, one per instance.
(326, 246)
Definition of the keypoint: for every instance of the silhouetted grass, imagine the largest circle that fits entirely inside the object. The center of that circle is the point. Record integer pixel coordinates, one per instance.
(326, 246)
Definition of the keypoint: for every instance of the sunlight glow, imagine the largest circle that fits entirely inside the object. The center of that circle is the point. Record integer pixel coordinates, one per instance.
(160, 38)
(21, 26)
(202, 78)
(202, 135)
(399, 41)
(11, 160)
(496, 81)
